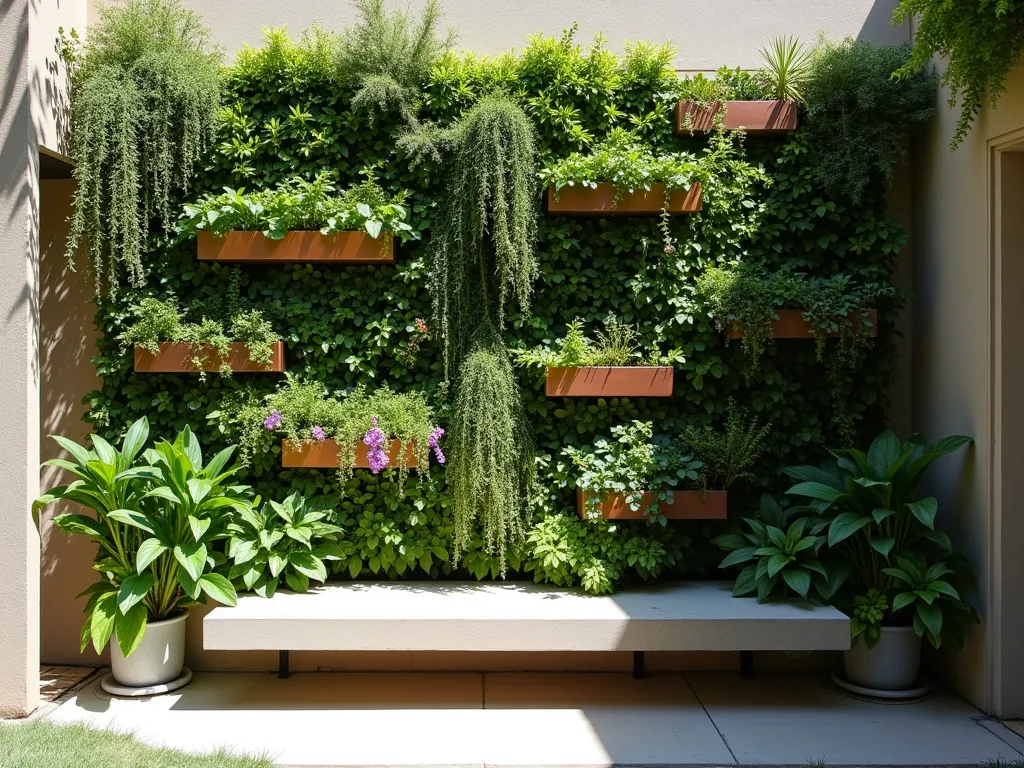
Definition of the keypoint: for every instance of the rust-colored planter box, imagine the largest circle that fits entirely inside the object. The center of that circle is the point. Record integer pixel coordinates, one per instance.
(296, 248)
(311, 454)
(588, 201)
(791, 325)
(756, 117)
(686, 505)
(177, 357)
(601, 381)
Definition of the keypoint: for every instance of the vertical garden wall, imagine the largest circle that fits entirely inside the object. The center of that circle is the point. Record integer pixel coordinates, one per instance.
(790, 220)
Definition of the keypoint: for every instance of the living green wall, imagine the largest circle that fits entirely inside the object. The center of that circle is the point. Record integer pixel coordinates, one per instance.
(285, 114)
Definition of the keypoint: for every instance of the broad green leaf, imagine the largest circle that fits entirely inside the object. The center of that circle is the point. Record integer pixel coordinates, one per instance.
(192, 557)
(132, 518)
(745, 582)
(883, 545)
(299, 582)
(133, 591)
(130, 628)
(845, 525)
(777, 563)
(149, 551)
(815, 491)
(305, 563)
(83, 525)
(101, 622)
(902, 600)
(931, 617)
(798, 580)
(218, 588)
(738, 556)
(925, 510)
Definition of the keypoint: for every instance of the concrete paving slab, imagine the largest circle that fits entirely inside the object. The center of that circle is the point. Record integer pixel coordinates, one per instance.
(793, 719)
(576, 719)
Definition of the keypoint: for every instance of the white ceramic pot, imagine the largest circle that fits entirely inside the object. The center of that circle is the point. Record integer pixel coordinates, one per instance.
(159, 657)
(891, 665)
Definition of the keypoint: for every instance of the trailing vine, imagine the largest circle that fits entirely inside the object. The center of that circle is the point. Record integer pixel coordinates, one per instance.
(980, 41)
(145, 95)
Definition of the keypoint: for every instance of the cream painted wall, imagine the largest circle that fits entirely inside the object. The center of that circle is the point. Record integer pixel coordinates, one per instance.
(67, 342)
(953, 377)
(48, 75)
(708, 33)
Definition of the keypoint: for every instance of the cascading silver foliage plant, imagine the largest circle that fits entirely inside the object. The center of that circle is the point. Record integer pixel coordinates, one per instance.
(482, 261)
(144, 101)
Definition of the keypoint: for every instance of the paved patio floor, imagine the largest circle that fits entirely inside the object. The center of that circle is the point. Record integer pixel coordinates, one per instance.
(550, 719)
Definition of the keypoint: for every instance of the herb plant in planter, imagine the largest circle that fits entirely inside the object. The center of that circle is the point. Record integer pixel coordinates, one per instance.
(300, 221)
(623, 177)
(372, 430)
(158, 520)
(165, 343)
(900, 579)
(770, 107)
(639, 475)
(606, 367)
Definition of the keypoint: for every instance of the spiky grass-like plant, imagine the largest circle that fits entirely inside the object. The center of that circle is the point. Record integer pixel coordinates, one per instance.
(787, 66)
(389, 57)
(491, 466)
(482, 254)
(144, 100)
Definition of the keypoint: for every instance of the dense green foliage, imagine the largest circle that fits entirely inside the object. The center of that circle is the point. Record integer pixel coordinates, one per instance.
(979, 39)
(615, 344)
(345, 326)
(297, 204)
(859, 117)
(145, 94)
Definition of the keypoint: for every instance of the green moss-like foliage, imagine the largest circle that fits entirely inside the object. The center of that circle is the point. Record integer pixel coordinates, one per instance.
(145, 94)
(345, 326)
(859, 117)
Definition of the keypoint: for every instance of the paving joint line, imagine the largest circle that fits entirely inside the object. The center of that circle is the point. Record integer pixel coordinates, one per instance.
(686, 677)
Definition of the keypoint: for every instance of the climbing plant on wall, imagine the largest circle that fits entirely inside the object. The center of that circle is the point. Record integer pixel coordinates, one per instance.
(288, 112)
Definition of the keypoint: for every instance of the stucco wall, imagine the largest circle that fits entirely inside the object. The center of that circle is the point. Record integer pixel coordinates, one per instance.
(953, 375)
(708, 33)
(48, 76)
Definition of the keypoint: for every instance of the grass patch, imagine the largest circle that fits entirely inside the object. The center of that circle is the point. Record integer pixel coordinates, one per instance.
(38, 744)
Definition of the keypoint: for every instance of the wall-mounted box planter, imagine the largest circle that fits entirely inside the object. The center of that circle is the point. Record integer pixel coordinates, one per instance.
(178, 357)
(791, 325)
(600, 201)
(686, 505)
(754, 117)
(601, 381)
(310, 454)
(296, 248)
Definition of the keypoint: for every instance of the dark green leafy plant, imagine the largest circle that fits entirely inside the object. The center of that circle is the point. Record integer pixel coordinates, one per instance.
(144, 100)
(726, 455)
(158, 321)
(858, 117)
(633, 463)
(300, 205)
(389, 57)
(780, 543)
(875, 522)
(289, 539)
(980, 41)
(158, 521)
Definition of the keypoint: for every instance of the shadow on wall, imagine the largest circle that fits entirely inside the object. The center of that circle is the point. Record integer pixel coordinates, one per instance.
(878, 28)
(68, 342)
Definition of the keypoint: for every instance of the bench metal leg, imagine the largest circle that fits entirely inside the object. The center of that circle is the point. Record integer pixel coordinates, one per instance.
(746, 664)
(283, 671)
(638, 665)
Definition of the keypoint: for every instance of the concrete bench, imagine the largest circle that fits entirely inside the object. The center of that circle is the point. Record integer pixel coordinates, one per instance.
(470, 616)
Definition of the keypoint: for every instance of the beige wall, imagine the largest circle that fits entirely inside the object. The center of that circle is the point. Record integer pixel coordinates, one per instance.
(67, 342)
(954, 385)
(708, 33)
(48, 75)
(19, 369)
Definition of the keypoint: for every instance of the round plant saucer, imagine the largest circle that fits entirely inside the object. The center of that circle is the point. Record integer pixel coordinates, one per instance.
(880, 696)
(111, 686)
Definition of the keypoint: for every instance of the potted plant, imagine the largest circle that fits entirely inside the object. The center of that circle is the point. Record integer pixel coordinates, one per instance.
(623, 177)
(764, 103)
(164, 343)
(373, 430)
(159, 514)
(900, 580)
(297, 222)
(638, 475)
(608, 366)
